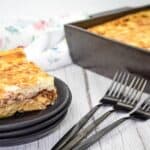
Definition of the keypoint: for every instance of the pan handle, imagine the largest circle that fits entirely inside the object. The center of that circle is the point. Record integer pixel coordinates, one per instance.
(110, 12)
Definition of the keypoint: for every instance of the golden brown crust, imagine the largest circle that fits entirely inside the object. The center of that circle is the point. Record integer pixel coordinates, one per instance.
(17, 72)
(131, 29)
(14, 55)
(15, 69)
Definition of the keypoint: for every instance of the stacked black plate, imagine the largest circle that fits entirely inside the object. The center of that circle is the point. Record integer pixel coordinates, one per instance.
(27, 127)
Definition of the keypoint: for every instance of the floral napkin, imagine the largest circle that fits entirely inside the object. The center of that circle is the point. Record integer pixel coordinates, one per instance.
(43, 40)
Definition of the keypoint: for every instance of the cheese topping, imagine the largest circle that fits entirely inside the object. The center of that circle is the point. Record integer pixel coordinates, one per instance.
(133, 29)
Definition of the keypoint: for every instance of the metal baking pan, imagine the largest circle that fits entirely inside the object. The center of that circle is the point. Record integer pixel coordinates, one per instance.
(102, 55)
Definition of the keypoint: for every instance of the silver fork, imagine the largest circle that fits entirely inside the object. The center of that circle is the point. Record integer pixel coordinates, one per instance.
(130, 102)
(113, 94)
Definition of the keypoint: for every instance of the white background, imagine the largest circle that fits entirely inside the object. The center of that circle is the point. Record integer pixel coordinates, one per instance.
(47, 8)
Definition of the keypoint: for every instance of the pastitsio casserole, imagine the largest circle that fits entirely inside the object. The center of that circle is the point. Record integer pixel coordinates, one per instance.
(23, 85)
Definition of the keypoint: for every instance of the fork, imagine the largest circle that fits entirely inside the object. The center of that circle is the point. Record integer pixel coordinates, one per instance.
(129, 102)
(114, 92)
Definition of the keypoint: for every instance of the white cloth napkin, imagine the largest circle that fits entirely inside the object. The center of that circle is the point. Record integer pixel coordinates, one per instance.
(43, 40)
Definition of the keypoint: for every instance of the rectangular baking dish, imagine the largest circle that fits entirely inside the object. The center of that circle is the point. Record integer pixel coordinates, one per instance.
(102, 55)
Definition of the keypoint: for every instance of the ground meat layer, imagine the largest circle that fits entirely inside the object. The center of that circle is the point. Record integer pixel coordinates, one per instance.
(38, 102)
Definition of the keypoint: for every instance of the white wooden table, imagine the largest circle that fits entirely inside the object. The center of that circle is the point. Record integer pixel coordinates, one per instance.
(87, 88)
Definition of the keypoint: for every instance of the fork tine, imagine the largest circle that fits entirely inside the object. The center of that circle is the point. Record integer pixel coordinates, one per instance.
(112, 83)
(119, 84)
(141, 84)
(147, 100)
(123, 85)
(139, 106)
(144, 106)
(142, 89)
(110, 90)
(130, 87)
(115, 89)
(132, 91)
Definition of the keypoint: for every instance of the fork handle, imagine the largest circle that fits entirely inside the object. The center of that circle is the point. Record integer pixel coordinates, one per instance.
(94, 138)
(85, 132)
(70, 134)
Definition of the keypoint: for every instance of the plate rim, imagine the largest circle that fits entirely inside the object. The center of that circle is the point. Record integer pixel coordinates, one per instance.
(37, 135)
(34, 128)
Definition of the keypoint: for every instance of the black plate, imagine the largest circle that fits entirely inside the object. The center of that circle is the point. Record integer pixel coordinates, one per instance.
(31, 136)
(22, 120)
(33, 128)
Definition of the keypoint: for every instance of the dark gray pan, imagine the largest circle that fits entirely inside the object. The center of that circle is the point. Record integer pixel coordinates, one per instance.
(18, 140)
(104, 55)
(22, 120)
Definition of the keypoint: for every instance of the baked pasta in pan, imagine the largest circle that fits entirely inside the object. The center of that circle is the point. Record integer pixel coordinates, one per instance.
(23, 85)
(133, 29)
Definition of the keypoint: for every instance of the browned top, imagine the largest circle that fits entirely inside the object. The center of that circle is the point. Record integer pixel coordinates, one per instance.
(132, 29)
(16, 70)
